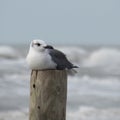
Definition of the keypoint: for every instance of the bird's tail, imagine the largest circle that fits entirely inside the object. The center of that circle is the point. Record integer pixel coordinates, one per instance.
(75, 67)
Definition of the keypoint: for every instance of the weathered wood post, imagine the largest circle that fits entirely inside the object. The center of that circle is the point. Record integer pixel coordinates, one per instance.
(48, 95)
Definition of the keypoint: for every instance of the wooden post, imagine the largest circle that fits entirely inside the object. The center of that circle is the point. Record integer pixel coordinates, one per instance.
(48, 95)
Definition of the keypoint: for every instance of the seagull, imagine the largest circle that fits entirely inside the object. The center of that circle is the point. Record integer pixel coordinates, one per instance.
(42, 56)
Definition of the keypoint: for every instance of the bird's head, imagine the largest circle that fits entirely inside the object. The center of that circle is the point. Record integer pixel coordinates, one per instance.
(39, 45)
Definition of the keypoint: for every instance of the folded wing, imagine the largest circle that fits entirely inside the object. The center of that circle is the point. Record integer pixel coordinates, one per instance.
(60, 59)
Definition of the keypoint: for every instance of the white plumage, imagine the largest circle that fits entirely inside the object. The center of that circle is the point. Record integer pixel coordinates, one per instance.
(38, 57)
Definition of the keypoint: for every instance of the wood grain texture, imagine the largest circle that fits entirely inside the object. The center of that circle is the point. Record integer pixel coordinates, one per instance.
(48, 95)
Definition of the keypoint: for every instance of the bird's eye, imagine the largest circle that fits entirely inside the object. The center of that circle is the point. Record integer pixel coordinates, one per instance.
(38, 44)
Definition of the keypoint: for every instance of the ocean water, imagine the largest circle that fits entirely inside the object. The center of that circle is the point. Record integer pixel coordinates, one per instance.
(93, 93)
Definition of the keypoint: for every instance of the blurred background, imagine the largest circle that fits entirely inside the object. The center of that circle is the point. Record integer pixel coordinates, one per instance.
(87, 31)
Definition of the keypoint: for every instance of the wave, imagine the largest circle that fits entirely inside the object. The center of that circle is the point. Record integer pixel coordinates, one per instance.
(107, 59)
(86, 85)
(13, 115)
(103, 57)
(83, 113)
(8, 52)
(91, 113)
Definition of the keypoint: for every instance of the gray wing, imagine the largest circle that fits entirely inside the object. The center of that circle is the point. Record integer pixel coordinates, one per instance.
(60, 59)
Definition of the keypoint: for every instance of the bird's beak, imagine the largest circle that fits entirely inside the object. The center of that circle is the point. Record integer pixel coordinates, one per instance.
(48, 47)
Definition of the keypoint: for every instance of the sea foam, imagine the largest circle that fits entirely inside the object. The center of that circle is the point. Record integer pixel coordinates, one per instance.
(103, 57)
(8, 52)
